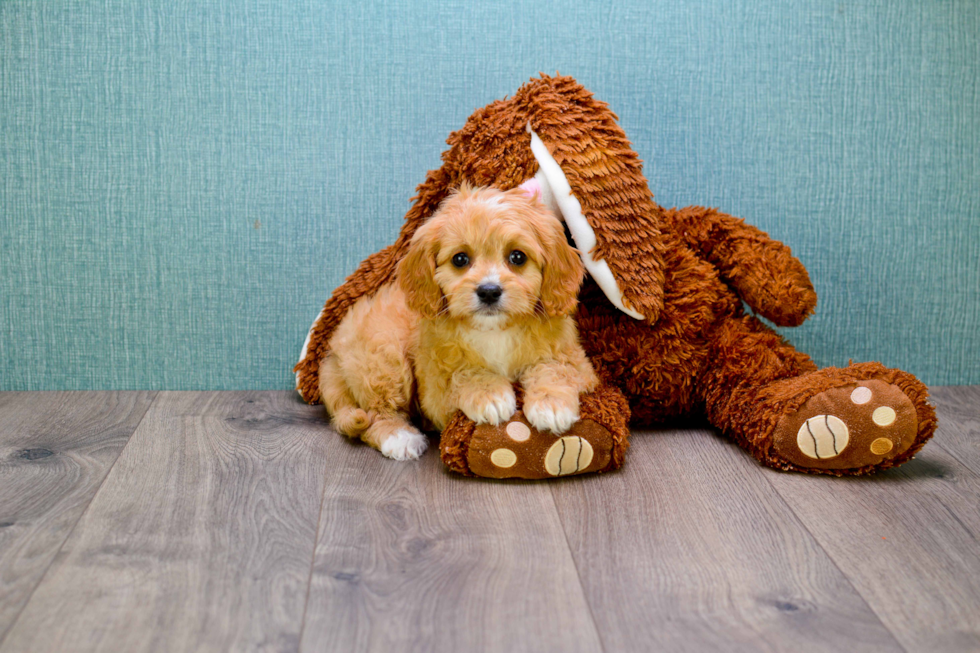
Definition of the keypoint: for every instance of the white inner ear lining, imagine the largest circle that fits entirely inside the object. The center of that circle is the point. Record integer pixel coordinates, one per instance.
(557, 195)
(306, 346)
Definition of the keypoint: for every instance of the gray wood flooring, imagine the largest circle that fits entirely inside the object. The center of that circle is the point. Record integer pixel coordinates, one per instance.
(237, 521)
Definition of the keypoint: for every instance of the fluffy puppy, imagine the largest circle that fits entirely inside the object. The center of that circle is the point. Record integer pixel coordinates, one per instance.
(484, 298)
(495, 284)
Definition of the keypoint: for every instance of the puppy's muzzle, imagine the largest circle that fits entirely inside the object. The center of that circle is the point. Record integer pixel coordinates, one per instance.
(489, 293)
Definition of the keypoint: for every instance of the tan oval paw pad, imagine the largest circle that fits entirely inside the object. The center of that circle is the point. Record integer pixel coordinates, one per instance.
(518, 431)
(503, 458)
(881, 446)
(883, 416)
(823, 436)
(568, 455)
(861, 395)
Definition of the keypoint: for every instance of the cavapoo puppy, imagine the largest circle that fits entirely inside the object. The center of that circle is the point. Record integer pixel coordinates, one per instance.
(483, 299)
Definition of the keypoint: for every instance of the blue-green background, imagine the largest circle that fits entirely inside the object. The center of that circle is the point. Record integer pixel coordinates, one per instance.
(183, 184)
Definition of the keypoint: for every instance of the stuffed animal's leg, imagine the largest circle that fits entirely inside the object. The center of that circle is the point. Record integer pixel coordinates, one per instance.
(772, 401)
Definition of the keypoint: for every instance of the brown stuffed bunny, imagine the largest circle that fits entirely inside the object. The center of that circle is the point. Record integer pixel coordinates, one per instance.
(660, 312)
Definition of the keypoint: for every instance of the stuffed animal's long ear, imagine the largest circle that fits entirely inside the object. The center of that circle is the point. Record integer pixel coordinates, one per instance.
(562, 274)
(416, 272)
(599, 179)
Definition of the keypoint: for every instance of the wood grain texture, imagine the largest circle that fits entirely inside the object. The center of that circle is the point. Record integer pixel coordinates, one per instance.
(959, 411)
(239, 521)
(413, 558)
(200, 538)
(55, 450)
(908, 538)
(688, 548)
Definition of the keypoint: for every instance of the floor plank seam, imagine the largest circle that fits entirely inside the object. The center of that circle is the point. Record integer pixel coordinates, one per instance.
(316, 545)
(81, 515)
(578, 575)
(847, 578)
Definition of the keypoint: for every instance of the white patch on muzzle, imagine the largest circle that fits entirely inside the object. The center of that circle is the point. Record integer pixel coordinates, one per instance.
(557, 195)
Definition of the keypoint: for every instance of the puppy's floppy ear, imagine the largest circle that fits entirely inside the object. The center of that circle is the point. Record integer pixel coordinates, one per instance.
(562, 272)
(416, 272)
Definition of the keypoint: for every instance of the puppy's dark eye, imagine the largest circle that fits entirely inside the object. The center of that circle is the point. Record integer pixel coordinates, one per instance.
(461, 260)
(517, 257)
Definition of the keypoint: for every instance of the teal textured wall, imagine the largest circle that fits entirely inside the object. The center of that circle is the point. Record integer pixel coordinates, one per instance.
(183, 184)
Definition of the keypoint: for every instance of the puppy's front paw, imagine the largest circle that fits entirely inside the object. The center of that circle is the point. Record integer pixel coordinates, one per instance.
(405, 444)
(551, 414)
(495, 408)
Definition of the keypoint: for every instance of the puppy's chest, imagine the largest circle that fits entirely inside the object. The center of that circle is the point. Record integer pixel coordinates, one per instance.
(498, 350)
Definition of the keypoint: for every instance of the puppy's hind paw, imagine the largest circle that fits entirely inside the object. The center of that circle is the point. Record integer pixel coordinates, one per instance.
(405, 444)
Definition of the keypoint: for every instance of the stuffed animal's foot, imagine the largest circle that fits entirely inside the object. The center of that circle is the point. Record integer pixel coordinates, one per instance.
(516, 449)
(852, 426)
(856, 427)
(519, 450)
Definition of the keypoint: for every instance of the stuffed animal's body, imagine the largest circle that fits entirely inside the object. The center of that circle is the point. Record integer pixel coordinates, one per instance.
(660, 314)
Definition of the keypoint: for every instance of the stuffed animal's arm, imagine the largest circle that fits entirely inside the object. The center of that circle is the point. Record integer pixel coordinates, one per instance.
(762, 271)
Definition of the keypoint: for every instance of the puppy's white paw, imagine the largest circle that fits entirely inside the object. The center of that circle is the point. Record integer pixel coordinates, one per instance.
(405, 444)
(551, 414)
(494, 409)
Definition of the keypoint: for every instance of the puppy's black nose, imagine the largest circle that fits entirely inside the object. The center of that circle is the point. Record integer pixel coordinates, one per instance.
(489, 293)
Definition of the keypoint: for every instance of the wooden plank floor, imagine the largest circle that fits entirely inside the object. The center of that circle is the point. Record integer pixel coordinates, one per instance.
(238, 521)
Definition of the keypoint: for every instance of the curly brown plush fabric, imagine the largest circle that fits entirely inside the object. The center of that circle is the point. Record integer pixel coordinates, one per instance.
(688, 272)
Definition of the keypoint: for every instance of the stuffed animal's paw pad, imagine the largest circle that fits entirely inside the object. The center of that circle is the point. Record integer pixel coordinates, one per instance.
(569, 455)
(823, 437)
